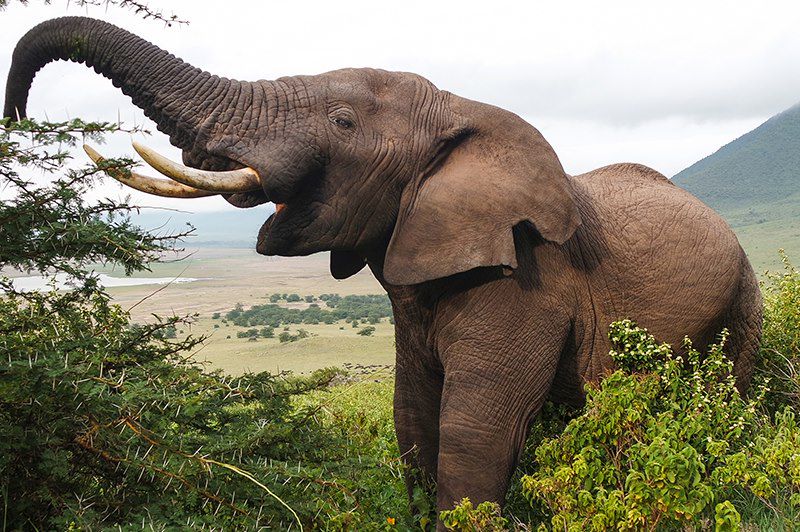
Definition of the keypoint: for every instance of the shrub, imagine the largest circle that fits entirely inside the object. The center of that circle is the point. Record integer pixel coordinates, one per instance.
(667, 446)
(487, 517)
(779, 361)
(366, 331)
(361, 414)
(249, 333)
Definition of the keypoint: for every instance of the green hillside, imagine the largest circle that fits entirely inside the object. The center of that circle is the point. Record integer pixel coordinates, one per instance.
(754, 182)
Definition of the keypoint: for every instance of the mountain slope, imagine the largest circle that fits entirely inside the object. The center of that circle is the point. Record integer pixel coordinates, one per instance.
(754, 183)
(759, 167)
(233, 228)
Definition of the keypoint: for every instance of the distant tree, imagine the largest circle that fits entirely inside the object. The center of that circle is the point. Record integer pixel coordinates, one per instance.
(367, 331)
(310, 299)
(293, 298)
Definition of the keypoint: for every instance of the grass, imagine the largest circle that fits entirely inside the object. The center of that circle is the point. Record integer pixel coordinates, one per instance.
(329, 345)
(762, 230)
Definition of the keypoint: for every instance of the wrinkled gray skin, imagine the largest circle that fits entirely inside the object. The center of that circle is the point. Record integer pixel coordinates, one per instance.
(503, 271)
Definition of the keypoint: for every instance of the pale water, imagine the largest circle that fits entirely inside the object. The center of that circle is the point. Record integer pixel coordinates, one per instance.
(64, 282)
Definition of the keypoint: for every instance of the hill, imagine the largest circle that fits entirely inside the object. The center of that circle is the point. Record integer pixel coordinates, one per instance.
(754, 183)
(233, 228)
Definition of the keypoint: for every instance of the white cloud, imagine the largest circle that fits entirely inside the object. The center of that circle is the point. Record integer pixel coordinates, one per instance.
(605, 81)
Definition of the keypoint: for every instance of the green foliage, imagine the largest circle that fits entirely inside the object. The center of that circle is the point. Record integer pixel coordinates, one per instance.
(366, 331)
(667, 446)
(115, 415)
(351, 307)
(288, 337)
(41, 225)
(361, 415)
(487, 517)
(779, 364)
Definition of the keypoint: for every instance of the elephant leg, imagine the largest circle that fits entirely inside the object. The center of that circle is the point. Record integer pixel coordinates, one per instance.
(744, 325)
(491, 392)
(417, 397)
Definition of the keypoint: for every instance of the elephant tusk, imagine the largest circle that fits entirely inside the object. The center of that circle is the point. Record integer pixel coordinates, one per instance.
(241, 180)
(151, 185)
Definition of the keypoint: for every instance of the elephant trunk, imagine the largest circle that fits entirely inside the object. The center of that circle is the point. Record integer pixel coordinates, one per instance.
(174, 94)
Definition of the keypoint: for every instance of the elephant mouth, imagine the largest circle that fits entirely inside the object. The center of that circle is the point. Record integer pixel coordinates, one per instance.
(249, 198)
(263, 235)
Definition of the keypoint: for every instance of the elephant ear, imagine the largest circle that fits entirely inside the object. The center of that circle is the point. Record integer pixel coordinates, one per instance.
(495, 171)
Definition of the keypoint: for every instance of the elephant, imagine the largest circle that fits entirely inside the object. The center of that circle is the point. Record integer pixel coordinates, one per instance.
(504, 272)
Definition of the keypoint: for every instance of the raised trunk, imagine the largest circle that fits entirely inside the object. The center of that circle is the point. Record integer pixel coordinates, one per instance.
(174, 94)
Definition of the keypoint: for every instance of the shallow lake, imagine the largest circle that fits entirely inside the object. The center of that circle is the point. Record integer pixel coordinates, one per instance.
(62, 282)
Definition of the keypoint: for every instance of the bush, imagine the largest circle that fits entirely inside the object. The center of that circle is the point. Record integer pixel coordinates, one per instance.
(366, 331)
(361, 414)
(779, 364)
(249, 333)
(667, 446)
(288, 337)
(487, 517)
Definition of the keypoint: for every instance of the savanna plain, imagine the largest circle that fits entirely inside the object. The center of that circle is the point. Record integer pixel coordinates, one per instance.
(227, 277)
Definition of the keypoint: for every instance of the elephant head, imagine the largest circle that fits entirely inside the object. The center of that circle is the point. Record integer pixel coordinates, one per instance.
(366, 163)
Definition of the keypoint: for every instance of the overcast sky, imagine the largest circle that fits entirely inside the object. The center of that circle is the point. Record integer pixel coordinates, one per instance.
(605, 81)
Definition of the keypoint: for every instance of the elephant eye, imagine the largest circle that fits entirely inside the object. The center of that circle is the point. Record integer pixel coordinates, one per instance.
(343, 123)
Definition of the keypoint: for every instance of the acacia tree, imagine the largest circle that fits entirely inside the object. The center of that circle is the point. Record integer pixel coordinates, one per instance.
(104, 422)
